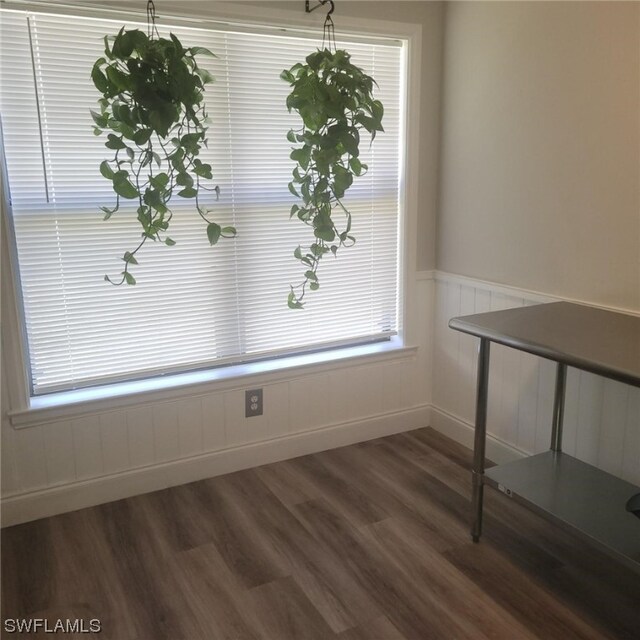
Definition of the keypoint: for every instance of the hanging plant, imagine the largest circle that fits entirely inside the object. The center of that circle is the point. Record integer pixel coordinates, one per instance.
(153, 113)
(335, 100)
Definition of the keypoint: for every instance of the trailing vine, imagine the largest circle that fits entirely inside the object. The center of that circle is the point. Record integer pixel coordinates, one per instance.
(335, 100)
(153, 113)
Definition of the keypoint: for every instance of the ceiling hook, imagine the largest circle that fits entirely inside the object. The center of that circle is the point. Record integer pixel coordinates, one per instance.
(308, 8)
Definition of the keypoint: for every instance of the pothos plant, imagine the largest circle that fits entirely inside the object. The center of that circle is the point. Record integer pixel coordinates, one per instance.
(153, 113)
(335, 100)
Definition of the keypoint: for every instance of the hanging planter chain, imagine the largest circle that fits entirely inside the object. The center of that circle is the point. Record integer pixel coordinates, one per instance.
(328, 30)
(152, 29)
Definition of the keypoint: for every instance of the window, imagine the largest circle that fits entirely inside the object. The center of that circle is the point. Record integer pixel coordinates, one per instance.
(194, 305)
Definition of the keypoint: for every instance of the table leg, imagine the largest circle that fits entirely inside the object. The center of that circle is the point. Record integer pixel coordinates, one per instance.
(558, 407)
(480, 437)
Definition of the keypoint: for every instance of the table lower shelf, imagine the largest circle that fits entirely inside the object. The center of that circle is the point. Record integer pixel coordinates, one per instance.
(575, 494)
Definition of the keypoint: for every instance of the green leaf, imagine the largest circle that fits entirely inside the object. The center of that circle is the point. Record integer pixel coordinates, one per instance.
(287, 76)
(176, 160)
(126, 131)
(201, 51)
(99, 79)
(356, 166)
(350, 144)
(142, 136)
(302, 156)
(298, 253)
(118, 79)
(370, 124)
(128, 42)
(180, 50)
(106, 170)
(184, 179)
(124, 188)
(129, 257)
(291, 136)
(205, 76)
(107, 49)
(203, 170)
(160, 181)
(325, 233)
(162, 117)
(169, 242)
(292, 189)
(342, 180)
(315, 59)
(114, 142)
(229, 232)
(191, 142)
(188, 192)
(154, 200)
(129, 279)
(293, 302)
(304, 189)
(115, 49)
(144, 217)
(213, 232)
(314, 286)
(377, 111)
(99, 119)
(108, 212)
(310, 275)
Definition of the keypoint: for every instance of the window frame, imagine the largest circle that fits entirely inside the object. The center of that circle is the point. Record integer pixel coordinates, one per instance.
(25, 409)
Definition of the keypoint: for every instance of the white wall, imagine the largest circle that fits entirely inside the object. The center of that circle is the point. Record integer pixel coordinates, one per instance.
(541, 147)
(540, 190)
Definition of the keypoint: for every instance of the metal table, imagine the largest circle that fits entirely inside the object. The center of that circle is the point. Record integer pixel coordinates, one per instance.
(569, 492)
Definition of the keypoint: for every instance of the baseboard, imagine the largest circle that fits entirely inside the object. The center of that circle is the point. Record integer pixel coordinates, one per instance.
(78, 495)
(462, 431)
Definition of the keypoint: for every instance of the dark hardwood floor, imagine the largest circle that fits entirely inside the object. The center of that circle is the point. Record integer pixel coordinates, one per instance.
(366, 542)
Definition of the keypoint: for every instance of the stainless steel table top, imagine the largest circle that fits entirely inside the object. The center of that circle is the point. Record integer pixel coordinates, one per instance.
(603, 342)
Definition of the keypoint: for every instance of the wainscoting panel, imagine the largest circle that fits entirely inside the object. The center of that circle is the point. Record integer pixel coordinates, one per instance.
(70, 463)
(602, 417)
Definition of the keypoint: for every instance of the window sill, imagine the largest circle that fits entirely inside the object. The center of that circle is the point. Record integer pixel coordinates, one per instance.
(68, 404)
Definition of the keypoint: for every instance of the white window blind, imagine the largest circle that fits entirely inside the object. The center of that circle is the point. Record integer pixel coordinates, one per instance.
(194, 305)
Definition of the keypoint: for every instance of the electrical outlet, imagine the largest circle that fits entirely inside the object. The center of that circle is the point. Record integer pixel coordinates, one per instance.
(252, 403)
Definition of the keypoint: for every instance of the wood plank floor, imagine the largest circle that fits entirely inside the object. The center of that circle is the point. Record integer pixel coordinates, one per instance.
(366, 542)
